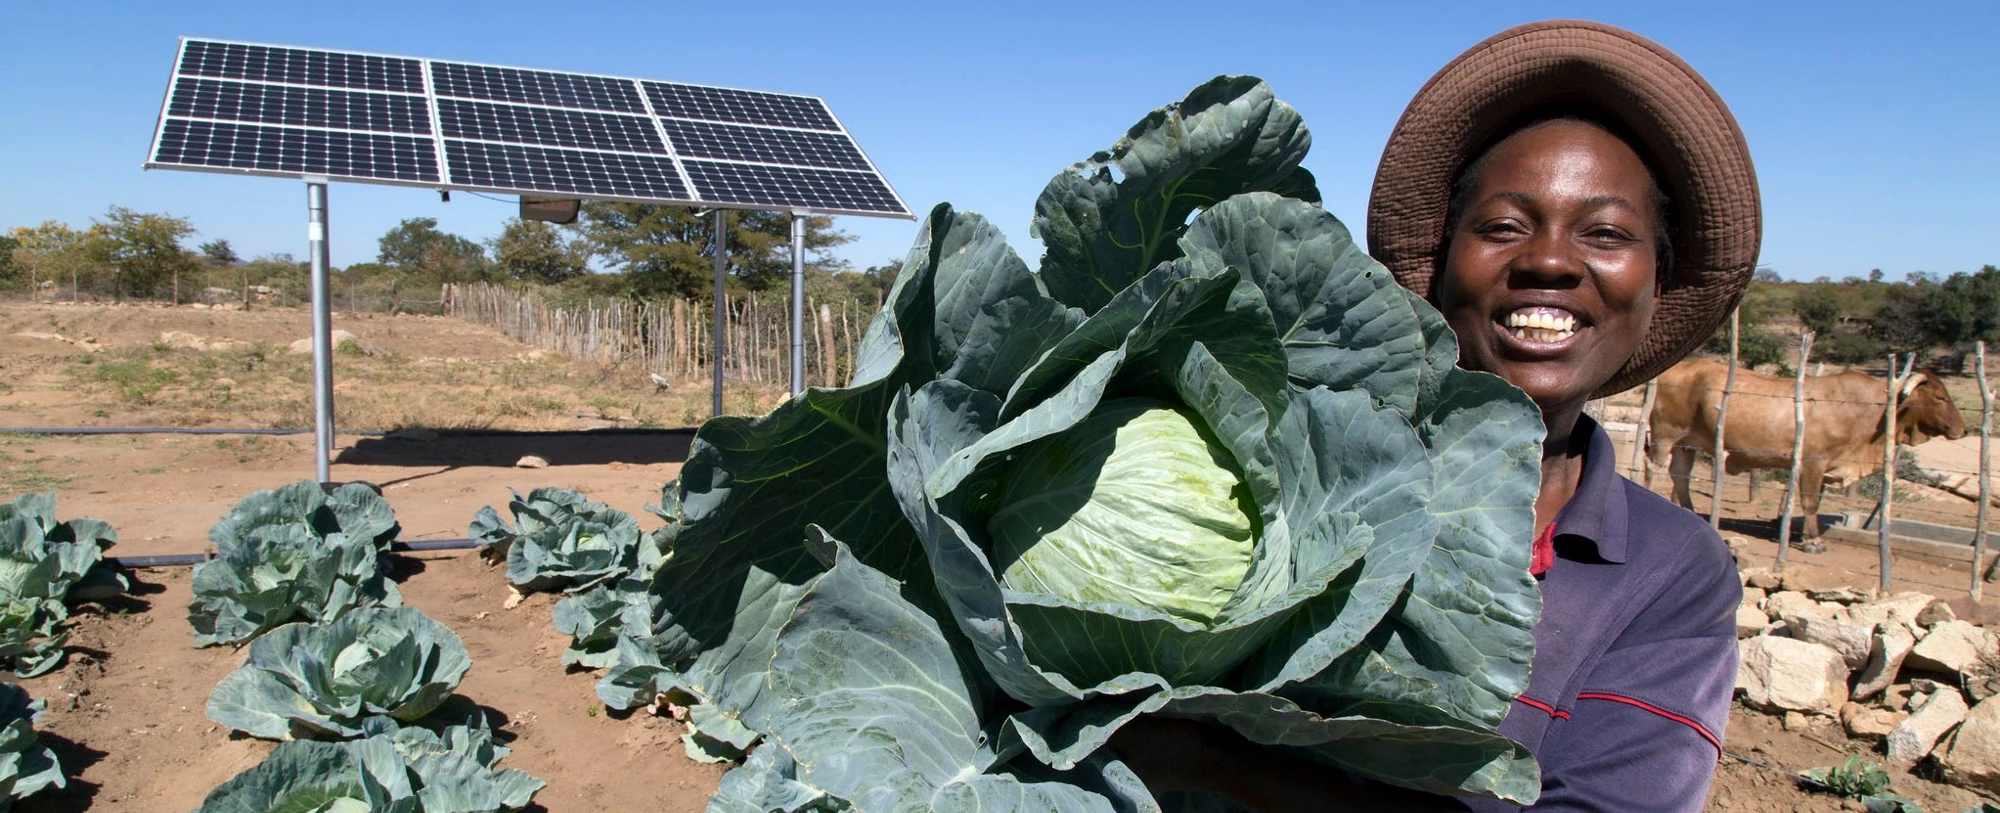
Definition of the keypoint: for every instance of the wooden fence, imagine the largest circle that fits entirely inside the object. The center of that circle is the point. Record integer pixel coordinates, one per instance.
(674, 338)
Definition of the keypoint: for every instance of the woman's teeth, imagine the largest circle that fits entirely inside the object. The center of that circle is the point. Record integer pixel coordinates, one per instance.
(1541, 327)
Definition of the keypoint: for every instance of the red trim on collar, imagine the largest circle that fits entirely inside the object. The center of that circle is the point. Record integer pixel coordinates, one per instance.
(1545, 551)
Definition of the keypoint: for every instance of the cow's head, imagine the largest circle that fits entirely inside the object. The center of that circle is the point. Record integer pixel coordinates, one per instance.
(1926, 410)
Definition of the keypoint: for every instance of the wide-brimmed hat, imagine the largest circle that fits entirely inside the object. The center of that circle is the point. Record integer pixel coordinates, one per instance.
(1681, 128)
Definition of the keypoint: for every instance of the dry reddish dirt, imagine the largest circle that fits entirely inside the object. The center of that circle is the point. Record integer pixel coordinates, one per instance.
(126, 712)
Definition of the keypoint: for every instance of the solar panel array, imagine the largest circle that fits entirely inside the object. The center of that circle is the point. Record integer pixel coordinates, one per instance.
(297, 112)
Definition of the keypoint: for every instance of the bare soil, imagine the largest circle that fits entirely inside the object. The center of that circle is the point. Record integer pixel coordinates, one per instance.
(126, 712)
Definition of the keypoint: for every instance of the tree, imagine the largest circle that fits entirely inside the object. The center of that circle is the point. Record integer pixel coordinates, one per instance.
(218, 253)
(883, 277)
(534, 251)
(52, 251)
(416, 247)
(1765, 273)
(670, 250)
(9, 269)
(144, 250)
(1818, 308)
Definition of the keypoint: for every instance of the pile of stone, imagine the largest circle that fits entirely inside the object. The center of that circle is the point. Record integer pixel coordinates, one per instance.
(1903, 670)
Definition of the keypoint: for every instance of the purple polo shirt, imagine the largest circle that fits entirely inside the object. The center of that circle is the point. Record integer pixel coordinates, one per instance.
(1635, 655)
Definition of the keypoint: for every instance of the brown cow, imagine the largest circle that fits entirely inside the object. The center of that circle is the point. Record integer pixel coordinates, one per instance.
(1844, 420)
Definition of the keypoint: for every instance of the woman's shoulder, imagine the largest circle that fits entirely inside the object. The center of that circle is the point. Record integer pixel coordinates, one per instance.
(1667, 536)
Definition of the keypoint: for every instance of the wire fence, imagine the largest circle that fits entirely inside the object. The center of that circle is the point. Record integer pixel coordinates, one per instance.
(673, 339)
(1873, 459)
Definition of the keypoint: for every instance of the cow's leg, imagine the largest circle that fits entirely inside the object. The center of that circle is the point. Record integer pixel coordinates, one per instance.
(1681, 468)
(1811, 477)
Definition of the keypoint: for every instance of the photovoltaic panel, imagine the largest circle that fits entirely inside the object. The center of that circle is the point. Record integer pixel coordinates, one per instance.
(549, 126)
(276, 110)
(298, 151)
(298, 66)
(300, 106)
(703, 139)
(536, 87)
(742, 106)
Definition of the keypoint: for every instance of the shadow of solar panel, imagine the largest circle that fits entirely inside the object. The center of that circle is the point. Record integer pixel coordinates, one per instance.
(299, 106)
(769, 145)
(297, 150)
(488, 121)
(791, 186)
(264, 63)
(740, 106)
(608, 174)
(535, 87)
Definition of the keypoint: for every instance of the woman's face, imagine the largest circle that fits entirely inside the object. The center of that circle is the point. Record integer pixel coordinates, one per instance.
(1549, 277)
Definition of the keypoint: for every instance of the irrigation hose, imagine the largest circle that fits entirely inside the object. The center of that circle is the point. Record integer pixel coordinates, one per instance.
(187, 559)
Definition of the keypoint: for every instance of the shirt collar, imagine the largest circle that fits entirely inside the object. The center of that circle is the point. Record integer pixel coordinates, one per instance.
(1596, 513)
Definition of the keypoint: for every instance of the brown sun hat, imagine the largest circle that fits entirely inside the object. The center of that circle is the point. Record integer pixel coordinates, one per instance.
(1682, 129)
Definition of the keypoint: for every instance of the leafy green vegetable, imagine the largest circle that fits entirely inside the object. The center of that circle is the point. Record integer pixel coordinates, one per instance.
(1209, 461)
(561, 541)
(26, 765)
(1863, 781)
(351, 509)
(44, 564)
(406, 770)
(293, 553)
(277, 574)
(326, 681)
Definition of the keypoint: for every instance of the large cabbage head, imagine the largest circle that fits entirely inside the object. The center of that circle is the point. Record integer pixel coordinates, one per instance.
(1135, 504)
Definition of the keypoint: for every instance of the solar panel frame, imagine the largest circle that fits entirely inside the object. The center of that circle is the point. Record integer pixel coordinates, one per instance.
(441, 145)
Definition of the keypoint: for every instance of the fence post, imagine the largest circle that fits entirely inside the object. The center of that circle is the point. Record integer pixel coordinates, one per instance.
(1798, 451)
(1888, 468)
(1985, 476)
(1645, 426)
(1721, 422)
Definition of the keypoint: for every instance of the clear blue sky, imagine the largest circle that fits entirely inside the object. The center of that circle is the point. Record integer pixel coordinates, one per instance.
(1875, 129)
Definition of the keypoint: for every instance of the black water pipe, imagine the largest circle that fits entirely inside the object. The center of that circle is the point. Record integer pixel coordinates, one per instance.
(186, 559)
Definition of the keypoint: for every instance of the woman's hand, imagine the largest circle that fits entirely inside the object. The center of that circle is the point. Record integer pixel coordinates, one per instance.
(1172, 755)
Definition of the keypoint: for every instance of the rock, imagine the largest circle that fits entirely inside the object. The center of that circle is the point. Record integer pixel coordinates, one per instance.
(1888, 645)
(1761, 578)
(1867, 723)
(1983, 688)
(1951, 647)
(1852, 641)
(1841, 594)
(1798, 721)
(1754, 596)
(1782, 606)
(1972, 759)
(1937, 613)
(1902, 608)
(1781, 674)
(1914, 738)
(1750, 620)
(1984, 613)
(531, 462)
(305, 345)
(1896, 697)
(181, 339)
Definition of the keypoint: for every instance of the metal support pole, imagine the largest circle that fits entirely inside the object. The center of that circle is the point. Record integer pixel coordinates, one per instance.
(322, 325)
(720, 340)
(798, 303)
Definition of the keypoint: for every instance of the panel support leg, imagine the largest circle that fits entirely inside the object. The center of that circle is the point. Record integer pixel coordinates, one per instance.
(322, 327)
(721, 334)
(798, 303)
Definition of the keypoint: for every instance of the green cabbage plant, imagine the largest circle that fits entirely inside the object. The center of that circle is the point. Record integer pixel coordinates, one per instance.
(326, 681)
(293, 553)
(26, 765)
(559, 541)
(1208, 461)
(400, 770)
(352, 509)
(43, 565)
